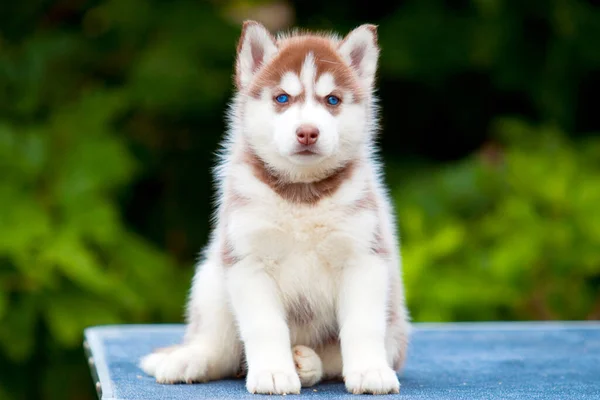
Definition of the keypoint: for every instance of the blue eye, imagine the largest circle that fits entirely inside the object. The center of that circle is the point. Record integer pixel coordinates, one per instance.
(333, 100)
(282, 98)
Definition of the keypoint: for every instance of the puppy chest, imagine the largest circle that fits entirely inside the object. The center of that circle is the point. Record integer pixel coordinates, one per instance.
(284, 234)
(319, 236)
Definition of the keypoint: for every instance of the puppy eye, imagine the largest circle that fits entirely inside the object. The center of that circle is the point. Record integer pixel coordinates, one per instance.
(282, 98)
(333, 100)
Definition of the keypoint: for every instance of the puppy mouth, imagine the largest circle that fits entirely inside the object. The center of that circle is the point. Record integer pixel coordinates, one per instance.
(307, 151)
(306, 155)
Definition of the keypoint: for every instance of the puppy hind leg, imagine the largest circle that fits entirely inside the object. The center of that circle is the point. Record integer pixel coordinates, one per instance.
(211, 349)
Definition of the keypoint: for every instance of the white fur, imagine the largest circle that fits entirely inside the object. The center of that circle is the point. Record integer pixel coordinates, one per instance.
(290, 83)
(310, 257)
(308, 73)
(325, 85)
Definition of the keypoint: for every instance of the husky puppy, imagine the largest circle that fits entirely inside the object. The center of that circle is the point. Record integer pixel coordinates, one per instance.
(301, 279)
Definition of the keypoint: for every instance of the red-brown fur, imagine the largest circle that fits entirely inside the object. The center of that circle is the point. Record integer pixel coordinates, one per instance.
(290, 58)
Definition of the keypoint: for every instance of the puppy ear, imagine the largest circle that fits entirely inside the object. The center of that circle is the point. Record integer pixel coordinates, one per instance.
(255, 48)
(360, 50)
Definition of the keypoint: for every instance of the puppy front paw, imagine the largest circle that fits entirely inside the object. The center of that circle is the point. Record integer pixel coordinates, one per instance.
(372, 380)
(273, 382)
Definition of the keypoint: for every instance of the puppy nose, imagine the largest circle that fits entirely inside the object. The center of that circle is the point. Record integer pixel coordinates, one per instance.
(307, 134)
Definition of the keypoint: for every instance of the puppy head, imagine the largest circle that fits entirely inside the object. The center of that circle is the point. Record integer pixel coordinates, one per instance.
(306, 98)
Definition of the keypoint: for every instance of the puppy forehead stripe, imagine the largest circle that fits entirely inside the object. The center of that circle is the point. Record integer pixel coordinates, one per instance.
(308, 72)
(290, 83)
(325, 85)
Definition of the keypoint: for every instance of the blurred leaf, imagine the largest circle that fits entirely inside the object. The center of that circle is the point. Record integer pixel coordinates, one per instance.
(502, 247)
(24, 223)
(68, 315)
(77, 262)
(3, 303)
(17, 329)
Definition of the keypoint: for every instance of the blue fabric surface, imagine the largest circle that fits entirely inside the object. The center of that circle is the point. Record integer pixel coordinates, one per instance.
(446, 361)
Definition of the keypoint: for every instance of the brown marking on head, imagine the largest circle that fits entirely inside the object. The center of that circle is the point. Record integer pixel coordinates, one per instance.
(291, 56)
(298, 192)
(300, 312)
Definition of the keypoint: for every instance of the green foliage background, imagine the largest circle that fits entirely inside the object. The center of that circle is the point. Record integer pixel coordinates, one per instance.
(110, 113)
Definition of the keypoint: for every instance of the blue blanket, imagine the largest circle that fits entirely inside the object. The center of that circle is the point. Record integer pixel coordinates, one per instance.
(445, 361)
